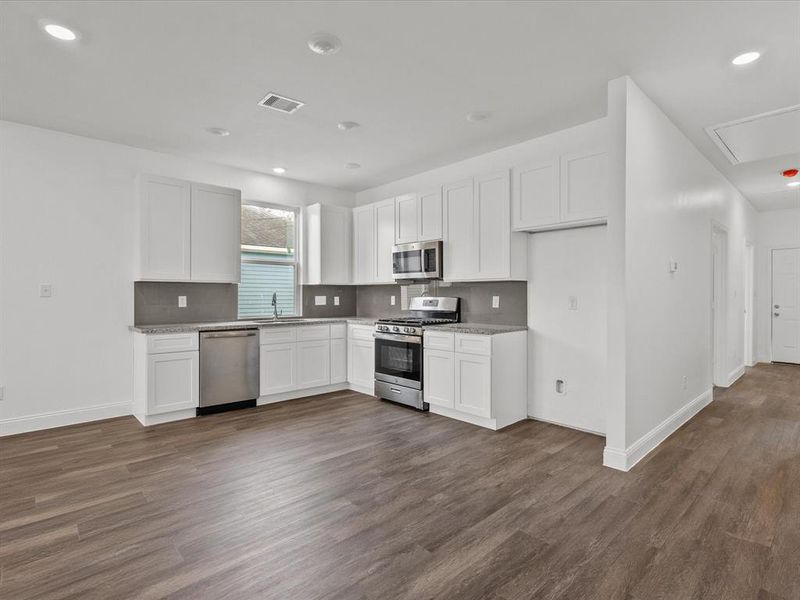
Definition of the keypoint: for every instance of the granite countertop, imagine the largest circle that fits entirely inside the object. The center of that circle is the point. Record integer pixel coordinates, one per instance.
(477, 328)
(188, 327)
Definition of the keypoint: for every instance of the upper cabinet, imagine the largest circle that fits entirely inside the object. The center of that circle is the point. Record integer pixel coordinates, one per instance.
(478, 242)
(569, 190)
(327, 237)
(189, 231)
(373, 238)
(418, 217)
(384, 240)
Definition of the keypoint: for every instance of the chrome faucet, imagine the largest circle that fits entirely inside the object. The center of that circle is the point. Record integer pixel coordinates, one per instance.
(275, 313)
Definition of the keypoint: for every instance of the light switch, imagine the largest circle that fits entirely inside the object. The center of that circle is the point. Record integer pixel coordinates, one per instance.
(393, 300)
(45, 290)
(320, 300)
(336, 300)
(573, 303)
(495, 301)
(673, 266)
(181, 301)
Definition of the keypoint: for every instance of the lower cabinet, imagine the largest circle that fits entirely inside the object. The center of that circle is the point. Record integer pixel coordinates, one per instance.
(338, 360)
(481, 379)
(166, 377)
(278, 368)
(313, 364)
(361, 358)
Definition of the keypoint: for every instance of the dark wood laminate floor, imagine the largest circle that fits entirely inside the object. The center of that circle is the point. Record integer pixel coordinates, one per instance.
(345, 497)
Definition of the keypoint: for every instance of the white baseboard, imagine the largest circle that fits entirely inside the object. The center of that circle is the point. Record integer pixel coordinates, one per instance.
(60, 418)
(176, 415)
(304, 393)
(369, 391)
(734, 375)
(624, 460)
(466, 417)
(567, 425)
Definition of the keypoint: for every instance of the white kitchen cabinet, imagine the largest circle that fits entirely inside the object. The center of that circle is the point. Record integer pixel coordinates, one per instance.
(278, 368)
(189, 231)
(166, 377)
(418, 217)
(384, 241)
(407, 219)
(478, 242)
(361, 358)
(480, 379)
(313, 364)
(216, 234)
(165, 241)
(569, 190)
(473, 384)
(438, 375)
(364, 244)
(338, 360)
(328, 243)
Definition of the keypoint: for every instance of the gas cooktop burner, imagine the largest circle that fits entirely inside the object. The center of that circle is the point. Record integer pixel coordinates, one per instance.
(415, 321)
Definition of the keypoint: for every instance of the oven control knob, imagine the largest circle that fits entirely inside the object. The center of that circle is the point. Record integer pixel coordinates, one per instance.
(409, 330)
(395, 329)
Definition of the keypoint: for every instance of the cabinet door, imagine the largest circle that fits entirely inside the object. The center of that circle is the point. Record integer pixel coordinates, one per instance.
(278, 368)
(535, 199)
(173, 381)
(216, 234)
(438, 375)
(364, 244)
(406, 219)
(473, 384)
(338, 360)
(361, 362)
(165, 229)
(584, 186)
(335, 247)
(384, 240)
(313, 364)
(460, 249)
(493, 225)
(430, 215)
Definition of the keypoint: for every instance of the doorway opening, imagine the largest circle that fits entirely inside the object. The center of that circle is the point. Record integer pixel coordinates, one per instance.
(785, 308)
(719, 308)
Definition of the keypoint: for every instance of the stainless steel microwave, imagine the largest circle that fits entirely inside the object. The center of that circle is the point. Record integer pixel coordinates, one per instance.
(421, 260)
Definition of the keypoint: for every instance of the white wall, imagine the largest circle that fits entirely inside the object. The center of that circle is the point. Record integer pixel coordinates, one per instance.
(504, 158)
(776, 229)
(562, 343)
(672, 194)
(68, 217)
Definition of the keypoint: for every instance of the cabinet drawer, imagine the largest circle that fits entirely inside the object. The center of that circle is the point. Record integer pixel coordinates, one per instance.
(338, 331)
(172, 342)
(360, 332)
(439, 340)
(313, 332)
(278, 335)
(473, 344)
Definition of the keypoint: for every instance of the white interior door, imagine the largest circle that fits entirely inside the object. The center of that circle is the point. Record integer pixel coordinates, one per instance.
(786, 305)
(719, 261)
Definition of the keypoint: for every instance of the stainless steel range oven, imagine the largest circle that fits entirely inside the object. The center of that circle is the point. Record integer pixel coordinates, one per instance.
(398, 349)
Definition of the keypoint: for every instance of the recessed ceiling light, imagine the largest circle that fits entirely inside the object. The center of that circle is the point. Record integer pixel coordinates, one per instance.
(746, 58)
(478, 116)
(352, 165)
(218, 131)
(279, 170)
(793, 184)
(347, 125)
(60, 32)
(324, 43)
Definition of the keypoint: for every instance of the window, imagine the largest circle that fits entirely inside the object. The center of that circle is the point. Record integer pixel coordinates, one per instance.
(269, 260)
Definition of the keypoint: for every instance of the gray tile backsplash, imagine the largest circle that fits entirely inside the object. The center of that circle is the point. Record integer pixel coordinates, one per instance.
(156, 302)
(347, 301)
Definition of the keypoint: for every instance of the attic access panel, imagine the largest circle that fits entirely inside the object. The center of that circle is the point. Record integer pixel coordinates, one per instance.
(767, 135)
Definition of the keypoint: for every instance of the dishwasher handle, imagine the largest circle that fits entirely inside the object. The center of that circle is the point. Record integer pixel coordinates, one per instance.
(229, 334)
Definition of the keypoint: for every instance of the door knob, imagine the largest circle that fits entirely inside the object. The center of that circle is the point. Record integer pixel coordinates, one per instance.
(777, 314)
(777, 306)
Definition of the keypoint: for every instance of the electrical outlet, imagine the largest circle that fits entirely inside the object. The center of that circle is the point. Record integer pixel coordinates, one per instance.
(45, 290)
(181, 301)
(392, 300)
(495, 301)
(336, 300)
(2, 393)
(573, 303)
(685, 382)
(320, 300)
(561, 387)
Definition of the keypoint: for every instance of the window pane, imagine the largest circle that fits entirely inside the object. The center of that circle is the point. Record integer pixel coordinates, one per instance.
(268, 231)
(259, 282)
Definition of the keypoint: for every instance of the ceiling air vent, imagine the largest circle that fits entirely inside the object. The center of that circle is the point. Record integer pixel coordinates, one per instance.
(280, 103)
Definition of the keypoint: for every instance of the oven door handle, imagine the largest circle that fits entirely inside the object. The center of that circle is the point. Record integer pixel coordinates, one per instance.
(410, 339)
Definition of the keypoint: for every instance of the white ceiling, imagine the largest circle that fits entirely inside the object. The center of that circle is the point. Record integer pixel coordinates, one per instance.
(157, 74)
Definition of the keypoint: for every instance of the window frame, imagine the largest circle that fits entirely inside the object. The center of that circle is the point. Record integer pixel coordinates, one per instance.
(298, 300)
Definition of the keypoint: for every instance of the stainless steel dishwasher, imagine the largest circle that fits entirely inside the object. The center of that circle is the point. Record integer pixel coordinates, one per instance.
(228, 370)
